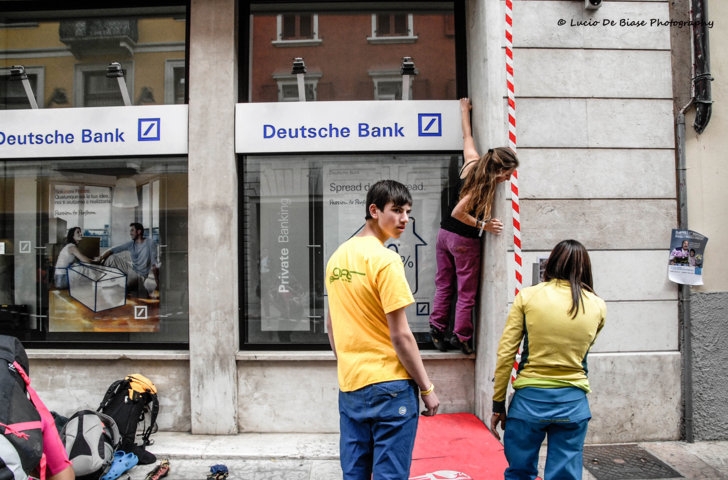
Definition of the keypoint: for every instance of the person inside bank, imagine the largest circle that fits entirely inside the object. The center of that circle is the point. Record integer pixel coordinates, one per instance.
(68, 255)
(138, 260)
(459, 241)
(558, 320)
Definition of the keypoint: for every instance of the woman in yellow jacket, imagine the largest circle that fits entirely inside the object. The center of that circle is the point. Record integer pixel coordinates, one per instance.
(558, 321)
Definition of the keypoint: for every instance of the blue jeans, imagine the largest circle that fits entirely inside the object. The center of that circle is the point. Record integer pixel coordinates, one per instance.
(534, 413)
(378, 425)
(458, 270)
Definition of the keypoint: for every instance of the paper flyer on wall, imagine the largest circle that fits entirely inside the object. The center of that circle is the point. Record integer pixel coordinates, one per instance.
(685, 265)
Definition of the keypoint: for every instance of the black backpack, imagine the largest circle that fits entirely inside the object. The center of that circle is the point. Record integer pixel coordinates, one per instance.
(21, 445)
(129, 402)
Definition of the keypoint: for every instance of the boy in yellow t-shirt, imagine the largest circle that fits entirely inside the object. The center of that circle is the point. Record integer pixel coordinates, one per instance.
(379, 367)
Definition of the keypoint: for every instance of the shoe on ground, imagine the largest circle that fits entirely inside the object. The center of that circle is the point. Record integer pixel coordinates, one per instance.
(218, 472)
(159, 471)
(464, 347)
(438, 339)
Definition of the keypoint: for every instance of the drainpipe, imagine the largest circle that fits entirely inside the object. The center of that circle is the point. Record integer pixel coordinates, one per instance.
(684, 291)
(702, 101)
(701, 61)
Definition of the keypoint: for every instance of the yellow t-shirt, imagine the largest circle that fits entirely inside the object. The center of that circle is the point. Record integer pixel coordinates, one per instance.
(365, 281)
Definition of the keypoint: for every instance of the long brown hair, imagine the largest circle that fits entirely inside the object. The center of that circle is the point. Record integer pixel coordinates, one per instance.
(480, 183)
(570, 261)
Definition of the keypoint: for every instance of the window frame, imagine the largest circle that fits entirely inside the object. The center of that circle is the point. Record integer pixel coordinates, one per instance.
(311, 81)
(170, 66)
(80, 89)
(376, 37)
(39, 72)
(168, 168)
(297, 42)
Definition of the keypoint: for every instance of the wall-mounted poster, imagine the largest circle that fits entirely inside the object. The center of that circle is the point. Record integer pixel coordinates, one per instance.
(105, 264)
(687, 249)
(345, 190)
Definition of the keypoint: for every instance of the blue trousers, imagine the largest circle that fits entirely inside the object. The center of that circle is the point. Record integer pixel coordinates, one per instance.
(378, 425)
(562, 416)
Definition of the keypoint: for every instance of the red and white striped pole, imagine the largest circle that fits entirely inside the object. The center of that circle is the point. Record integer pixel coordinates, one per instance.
(516, 209)
(512, 144)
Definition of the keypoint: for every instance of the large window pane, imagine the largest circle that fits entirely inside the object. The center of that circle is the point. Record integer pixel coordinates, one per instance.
(298, 209)
(66, 58)
(348, 52)
(52, 294)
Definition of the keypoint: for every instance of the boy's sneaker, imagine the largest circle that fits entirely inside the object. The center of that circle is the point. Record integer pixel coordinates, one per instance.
(438, 339)
(464, 347)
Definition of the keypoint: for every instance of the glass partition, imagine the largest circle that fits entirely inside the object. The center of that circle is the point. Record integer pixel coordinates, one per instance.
(58, 218)
(298, 209)
(352, 52)
(67, 57)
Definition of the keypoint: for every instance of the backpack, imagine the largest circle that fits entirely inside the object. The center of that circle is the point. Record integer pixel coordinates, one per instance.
(90, 438)
(21, 443)
(129, 402)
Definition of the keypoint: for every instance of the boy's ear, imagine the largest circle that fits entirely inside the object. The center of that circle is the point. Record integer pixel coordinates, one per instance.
(373, 210)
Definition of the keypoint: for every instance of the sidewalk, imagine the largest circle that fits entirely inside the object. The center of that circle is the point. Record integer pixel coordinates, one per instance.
(315, 457)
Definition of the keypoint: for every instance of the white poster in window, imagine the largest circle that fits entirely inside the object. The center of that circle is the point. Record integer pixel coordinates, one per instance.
(284, 258)
(344, 196)
(687, 249)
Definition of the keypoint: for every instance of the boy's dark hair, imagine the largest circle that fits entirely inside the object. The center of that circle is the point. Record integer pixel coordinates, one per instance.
(137, 226)
(385, 191)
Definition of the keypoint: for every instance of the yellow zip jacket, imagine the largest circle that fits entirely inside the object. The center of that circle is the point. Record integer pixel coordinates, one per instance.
(555, 345)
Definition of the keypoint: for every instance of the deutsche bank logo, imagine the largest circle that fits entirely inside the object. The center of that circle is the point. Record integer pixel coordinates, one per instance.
(149, 130)
(429, 124)
(140, 312)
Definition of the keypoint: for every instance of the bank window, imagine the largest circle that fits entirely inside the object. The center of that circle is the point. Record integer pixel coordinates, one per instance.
(13, 93)
(50, 292)
(359, 43)
(298, 209)
(66, 56)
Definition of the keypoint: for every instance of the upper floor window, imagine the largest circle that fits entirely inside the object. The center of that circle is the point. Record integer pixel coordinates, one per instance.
(388, 85)
(297, 29)
(174, 82)
(392, 27)
(95, 89)
(13, 93)
(296, 26)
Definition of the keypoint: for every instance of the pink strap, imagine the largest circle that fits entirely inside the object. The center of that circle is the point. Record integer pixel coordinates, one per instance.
(36, 401)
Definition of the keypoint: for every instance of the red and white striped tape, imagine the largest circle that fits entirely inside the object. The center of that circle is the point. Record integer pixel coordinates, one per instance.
(515, 205)
(512, 144)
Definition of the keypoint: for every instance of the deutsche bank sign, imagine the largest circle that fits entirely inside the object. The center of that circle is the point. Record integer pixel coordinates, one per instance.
(427, 125)
(86, 132)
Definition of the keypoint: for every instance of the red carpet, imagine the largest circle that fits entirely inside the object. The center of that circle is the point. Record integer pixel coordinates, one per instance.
(456, 446)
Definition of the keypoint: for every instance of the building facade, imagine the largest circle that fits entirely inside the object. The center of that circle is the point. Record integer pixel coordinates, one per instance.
(269, 122)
